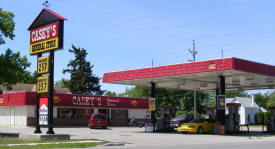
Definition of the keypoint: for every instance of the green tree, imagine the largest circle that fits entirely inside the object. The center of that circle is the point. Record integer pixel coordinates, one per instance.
(271, 100)
(6, 25)
(109, 93)
(63, 83)
(13, 69)
(83, 81)
(261, 99)
(181, 101)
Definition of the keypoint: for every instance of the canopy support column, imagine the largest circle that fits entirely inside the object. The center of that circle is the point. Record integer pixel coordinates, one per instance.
(220, 112)
(153, 112)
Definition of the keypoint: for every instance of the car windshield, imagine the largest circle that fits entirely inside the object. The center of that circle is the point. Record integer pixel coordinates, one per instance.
(181, 117)
(99, 117)
(197, 121)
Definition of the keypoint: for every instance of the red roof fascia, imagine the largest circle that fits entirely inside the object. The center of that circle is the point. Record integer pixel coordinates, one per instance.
(169, 70)
(11, 99)
(254, 67)
(51, 12)
(189, 68)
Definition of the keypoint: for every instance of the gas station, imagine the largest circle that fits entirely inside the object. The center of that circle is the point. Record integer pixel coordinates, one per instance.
(219, 76)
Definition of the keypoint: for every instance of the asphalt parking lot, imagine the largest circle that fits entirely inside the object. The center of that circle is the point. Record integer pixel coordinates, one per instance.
(133, 137)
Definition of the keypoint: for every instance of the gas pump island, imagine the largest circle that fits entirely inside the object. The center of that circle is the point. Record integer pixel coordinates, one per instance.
(218, 75)
(46, 36)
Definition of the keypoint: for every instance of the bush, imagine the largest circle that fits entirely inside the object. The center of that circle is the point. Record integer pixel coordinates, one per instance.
(261, 115)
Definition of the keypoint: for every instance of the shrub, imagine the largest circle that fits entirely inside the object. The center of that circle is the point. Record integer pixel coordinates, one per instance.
(261, 115)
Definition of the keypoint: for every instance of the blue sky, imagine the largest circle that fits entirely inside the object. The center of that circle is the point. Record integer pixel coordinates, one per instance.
(128, 34)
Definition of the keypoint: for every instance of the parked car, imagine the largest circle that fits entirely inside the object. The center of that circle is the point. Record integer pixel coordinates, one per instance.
(203, 125)
(97, 121)
(180, 119)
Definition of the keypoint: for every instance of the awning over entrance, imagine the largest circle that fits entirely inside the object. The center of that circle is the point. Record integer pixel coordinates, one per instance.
(201, 76)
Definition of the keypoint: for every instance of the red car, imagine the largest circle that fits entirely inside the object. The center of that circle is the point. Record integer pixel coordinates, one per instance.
(97, 121)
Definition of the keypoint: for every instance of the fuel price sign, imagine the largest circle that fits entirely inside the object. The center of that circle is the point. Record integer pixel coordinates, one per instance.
(43, 65)
(42, 84)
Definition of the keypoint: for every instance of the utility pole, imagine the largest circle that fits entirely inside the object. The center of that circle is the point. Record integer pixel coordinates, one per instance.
(194, 53)
(222, 53)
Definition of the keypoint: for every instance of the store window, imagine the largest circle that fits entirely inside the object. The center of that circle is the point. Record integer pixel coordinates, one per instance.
(119, 114)
(63, 113)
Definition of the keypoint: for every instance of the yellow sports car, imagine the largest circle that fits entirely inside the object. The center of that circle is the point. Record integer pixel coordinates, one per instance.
(199, 126)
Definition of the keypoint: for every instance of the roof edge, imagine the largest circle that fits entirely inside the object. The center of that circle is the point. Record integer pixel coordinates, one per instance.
(51, 12)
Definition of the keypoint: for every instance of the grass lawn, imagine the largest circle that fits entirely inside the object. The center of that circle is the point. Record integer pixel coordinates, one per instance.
(61, 144)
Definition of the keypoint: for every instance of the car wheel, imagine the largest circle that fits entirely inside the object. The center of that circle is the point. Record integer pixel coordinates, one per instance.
(200, 130)
(89, 126)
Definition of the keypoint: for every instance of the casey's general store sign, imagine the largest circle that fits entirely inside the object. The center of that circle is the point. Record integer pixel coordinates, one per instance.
(44, 39)
(100, 101)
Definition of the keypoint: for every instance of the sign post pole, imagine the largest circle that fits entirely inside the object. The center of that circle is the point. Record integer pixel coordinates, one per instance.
(37, 130)
(51, 80)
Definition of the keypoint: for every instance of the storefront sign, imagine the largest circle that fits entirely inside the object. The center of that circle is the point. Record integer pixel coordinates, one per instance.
(43, 65)
(101, 101)
(1, 100)
(221, 102)
(152, 105)
(42, 84)
(43, 111)
(44, 39)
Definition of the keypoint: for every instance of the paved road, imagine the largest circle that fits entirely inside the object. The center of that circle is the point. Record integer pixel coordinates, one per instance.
(136, 138)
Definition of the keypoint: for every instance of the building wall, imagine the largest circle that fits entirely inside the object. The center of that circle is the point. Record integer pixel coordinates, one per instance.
(20, 115)
(242, 115)
(5, 115)
(13, 115)
(31, 111)
(25, 116)
(136, 113)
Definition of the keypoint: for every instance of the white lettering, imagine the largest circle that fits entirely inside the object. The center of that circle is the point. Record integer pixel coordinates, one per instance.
(44, 33)
(54, 30)
(99, 101)
(33, 36)
(92, 100)
(74, 100)
(87, 101)
(112, 102)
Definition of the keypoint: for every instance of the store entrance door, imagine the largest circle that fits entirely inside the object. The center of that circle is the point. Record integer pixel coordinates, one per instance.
(106, 112)
(119, 117)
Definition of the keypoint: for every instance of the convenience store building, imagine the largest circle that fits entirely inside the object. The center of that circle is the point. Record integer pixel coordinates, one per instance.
(18, 109)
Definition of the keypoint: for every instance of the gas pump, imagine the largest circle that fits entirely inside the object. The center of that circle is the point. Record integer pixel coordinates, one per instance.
(163, 118)
(232, 120)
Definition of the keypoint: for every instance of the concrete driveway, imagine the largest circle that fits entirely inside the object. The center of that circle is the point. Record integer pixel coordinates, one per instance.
(125, 137)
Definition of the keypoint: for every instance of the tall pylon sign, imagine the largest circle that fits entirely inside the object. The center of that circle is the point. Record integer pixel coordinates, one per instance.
(46, 36)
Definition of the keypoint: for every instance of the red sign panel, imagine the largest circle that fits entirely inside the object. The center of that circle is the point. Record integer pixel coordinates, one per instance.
(44, 33)
(100, 101)
(43, 111)
(77, 100)
(43, 103)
